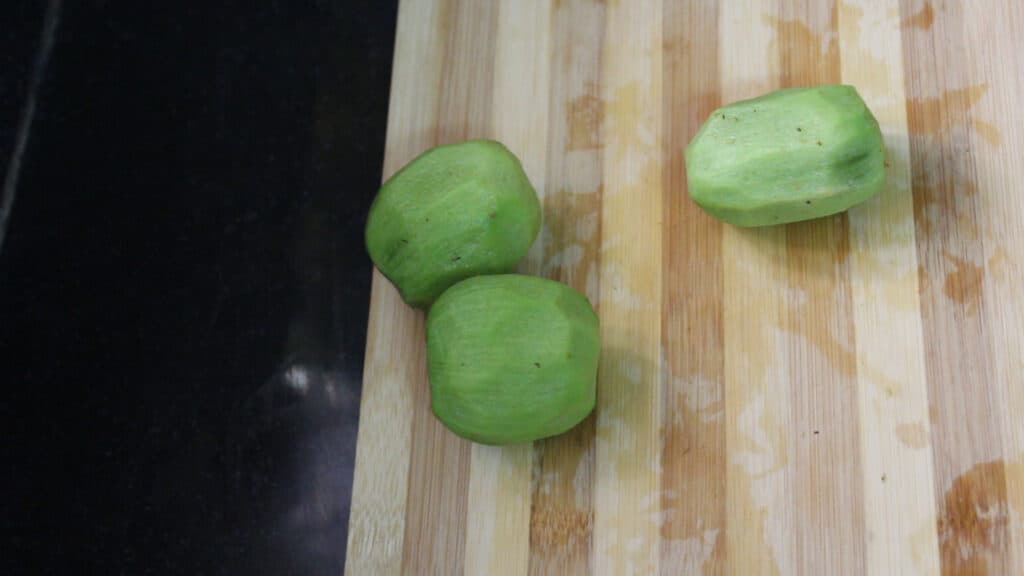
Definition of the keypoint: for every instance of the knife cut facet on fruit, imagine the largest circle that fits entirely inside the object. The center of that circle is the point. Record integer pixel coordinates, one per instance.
(456, 211)
(512, 358)
(789, 155)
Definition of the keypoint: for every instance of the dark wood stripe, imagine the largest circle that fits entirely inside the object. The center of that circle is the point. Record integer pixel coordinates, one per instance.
(435, 529)
(693, 498)
(562, 507)
(827, 486)
(940, 95)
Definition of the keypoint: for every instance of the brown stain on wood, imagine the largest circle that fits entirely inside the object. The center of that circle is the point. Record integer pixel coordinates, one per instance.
(938, 126)
(964, 283)
(975, 522)
(961, 98)
(818, 255)
(943, 172)
(818, 251)
(626, 121)
(987, 131)
(807, 56)
(938, 116)
(996, 267)
(876, 69)
(583, 121)
(922, 19)
(912, 435)
(943, 184)
(571, 237)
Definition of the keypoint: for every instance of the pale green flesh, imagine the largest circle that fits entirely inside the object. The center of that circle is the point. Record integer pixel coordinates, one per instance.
(790, 155)
(512, 358)
(455, 211)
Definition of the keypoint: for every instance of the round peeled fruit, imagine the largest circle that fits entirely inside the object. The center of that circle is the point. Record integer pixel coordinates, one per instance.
(792, 154)
(512, 358)
(456, 211)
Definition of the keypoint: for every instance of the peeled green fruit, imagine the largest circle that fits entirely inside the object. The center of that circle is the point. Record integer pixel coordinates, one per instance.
(790, 155)
(512, 358)
(456, 211)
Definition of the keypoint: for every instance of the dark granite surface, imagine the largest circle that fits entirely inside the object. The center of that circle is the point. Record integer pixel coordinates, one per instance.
(183, 284)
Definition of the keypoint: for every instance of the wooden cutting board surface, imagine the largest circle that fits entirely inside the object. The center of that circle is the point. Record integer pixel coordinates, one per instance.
(841, 396)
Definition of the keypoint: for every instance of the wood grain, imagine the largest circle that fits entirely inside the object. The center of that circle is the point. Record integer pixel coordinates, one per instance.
(627, 462)
(893, 397)
(693, 459)
(997, 136)
(842, 396)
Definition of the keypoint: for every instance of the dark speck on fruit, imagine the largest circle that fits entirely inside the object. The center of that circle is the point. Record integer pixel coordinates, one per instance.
(405, 240)
(456, 258)
(819, 142)
(537, 364)
(807, 202)
(799, 129)
(493, 215)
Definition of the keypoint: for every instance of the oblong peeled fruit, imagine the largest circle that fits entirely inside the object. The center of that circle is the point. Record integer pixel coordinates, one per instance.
(455, 211)
(512, 358)
(792, 154)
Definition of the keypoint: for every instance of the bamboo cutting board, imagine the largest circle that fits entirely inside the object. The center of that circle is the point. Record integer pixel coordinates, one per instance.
(841, 396)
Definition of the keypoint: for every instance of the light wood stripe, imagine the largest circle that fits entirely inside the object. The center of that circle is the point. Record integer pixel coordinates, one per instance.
(969, 470)
(498, 522)
(440, 461)
(498, 512)
(626, 532)
(893, 396)
(759, 518)
(561, 520)
(694, 456)
(995, 60)
(827, 491)
(395, 362)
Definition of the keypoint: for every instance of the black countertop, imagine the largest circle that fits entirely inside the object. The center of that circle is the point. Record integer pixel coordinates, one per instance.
(183, 283)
